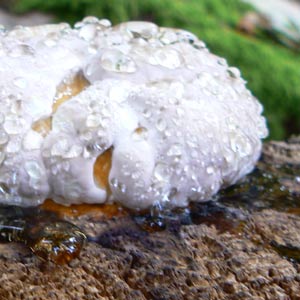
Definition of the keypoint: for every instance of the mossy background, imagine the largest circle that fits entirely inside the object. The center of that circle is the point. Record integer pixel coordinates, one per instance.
(272, 71)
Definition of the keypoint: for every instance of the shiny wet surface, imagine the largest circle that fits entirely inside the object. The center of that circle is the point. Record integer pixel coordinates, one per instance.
(51, 237)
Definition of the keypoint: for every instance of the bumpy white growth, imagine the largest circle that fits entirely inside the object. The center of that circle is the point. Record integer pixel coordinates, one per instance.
(181, 123)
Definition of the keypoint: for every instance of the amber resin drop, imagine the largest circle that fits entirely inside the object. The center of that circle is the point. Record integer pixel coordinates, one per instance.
(58, 241)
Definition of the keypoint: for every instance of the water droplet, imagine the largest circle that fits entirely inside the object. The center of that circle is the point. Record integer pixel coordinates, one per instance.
(200, 45)
(168, 58)
(93, 120)
(186, 36)
(92, 49)
(14, 125)
(50, 42)
(174, 150)
(168, 37)
(105, 22)
(33, 169)
(16, 107)
(138, 29)
(222, 62)
(88, 31)
(114, 182)
(13, 146)
(122, 188)
(2, 157)
(20, 82)
(210, 170)
(234, 72)
(147, 113)
(90, 20)
(229, 157)
(262, 128)
(161, 172)
(60, 148)
(74, 151)
(3, 138)
(161, 124)
(21, 50)
(115, 61)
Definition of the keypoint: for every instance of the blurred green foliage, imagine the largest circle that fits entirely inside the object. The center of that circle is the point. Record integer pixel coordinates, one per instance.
(272, 71)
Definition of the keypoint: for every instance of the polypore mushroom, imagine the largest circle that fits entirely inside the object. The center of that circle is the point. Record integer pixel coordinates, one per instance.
(133, 113)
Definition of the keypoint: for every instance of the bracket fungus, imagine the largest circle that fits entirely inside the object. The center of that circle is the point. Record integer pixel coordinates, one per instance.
(134, 114)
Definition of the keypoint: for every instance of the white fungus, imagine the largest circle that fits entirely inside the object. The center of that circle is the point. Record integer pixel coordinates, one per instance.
(151, 108)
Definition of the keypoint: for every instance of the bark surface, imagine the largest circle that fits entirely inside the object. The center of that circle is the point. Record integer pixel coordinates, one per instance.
(255, 256)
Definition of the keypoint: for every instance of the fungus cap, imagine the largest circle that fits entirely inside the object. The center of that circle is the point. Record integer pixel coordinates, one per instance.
(133, 113)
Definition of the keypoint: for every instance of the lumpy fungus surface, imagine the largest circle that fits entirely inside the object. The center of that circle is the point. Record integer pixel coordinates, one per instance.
(135, 114)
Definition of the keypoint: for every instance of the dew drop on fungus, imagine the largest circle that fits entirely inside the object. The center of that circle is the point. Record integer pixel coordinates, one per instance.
(2, 157)
(161, 124)
(161, 172)
(145, 30)
(3, 138)
(116, 61)
(33, 169)
(234, 72)
(168, 58)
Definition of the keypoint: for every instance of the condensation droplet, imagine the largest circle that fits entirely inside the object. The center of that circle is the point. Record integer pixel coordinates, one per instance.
(114, 182)
(234, 72)
(33, 169)
(2, 157)
(168, 37)
(161, 124)
(199, 45)
(21, 50)
(93, 120)
(14, 125)
(50, 42)
(3, 138)
(88, 32)
(161, 172)
(74, 151)
(13, 146)
(115, 61)
(168, 58)
(209, 170)
(60, 148)
(147, 113)
(174, 150)
(92, 49)
(222, 62)
(138, 29)
(105, 22)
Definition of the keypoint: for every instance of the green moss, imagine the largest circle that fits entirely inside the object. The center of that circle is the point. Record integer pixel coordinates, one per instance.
(272, 72)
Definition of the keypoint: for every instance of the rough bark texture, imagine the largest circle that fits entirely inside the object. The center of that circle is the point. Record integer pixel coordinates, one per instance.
(254, 258)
